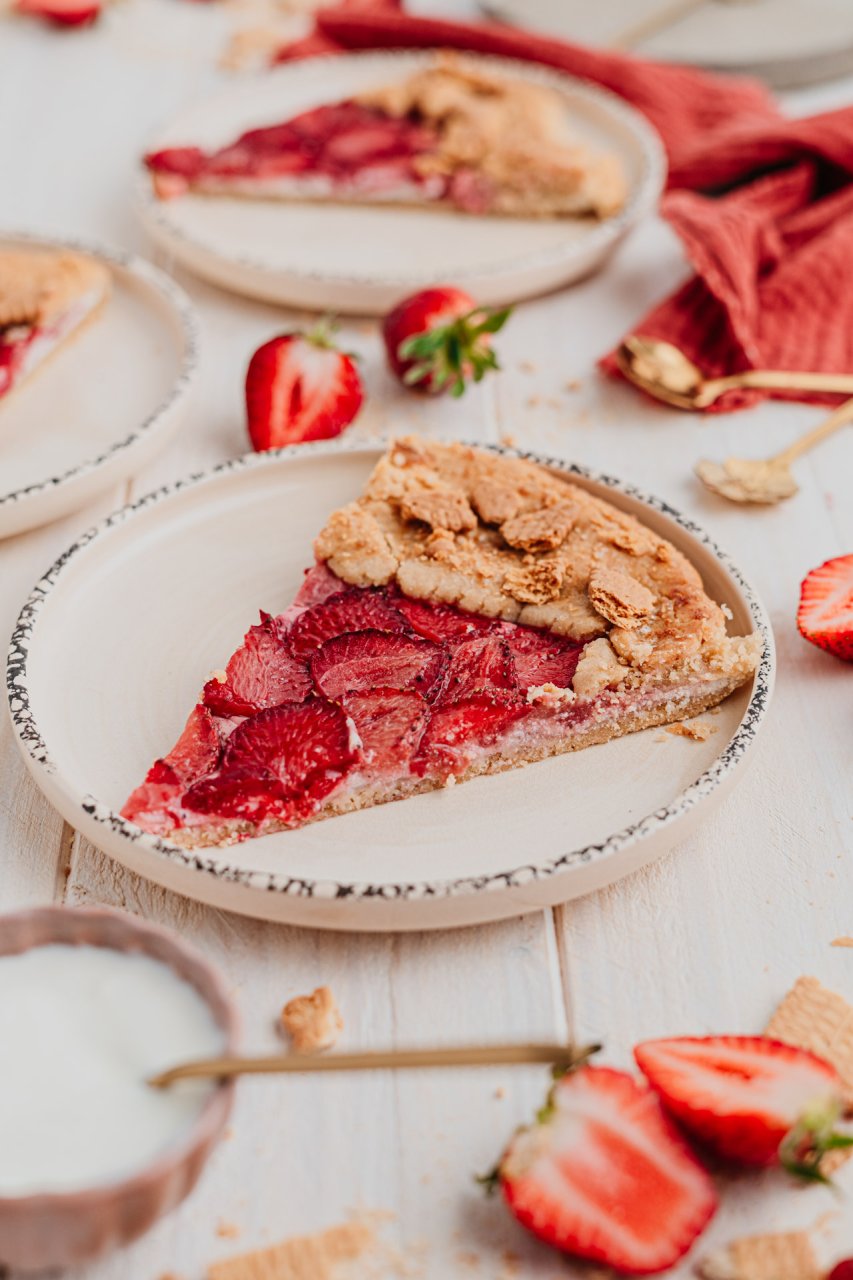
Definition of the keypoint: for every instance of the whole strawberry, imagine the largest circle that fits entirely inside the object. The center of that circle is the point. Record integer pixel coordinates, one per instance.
(603, 1174)
(439, 340)
(825, 615)
(750, 1099)
(300, 387)
(63, 13)
(842, 1270)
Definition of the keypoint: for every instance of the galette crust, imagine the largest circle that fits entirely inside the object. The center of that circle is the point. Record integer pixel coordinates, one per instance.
(37, 285)
(506, 538)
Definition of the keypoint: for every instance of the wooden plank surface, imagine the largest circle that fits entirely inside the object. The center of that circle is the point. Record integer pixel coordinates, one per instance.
(708, 939)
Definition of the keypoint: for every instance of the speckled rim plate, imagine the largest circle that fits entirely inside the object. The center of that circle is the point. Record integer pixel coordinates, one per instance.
(53, 492)
(361, 260)
(237, 879)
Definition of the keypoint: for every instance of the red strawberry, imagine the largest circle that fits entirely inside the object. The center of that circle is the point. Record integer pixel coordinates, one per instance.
(390, 723)
(441, 622)
(262, 673)
(825, 615)
(63, 13)
(540, 657)
(300, 387)
(319, 583)
(348, 611)
(194, 755)
(476, 666)
(362, 660)
(842, 1270)
(281, 762)
(455, 730)
(749, 1098)
(439, 339)
(604, 1174)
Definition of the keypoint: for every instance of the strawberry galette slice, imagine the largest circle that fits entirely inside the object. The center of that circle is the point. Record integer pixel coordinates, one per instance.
(468, 614)
(45, 297)
(450, 134)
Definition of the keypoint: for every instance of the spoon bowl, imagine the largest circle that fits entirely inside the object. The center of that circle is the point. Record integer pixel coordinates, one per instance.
(748, 479)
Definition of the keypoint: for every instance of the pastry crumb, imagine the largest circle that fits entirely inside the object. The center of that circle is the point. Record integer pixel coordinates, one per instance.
(533, 401)
(500, 1093)
(312, 1022)
(227, 1230)
(697, 730)
(843, 941)
(572, 384)
(528, 366)
(509, 441)
(786, 1256)
(314, 1257)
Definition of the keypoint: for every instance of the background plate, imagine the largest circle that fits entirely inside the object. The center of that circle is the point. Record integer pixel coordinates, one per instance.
(785, 42)
(362, 260)
(171, 584)
(103, 404)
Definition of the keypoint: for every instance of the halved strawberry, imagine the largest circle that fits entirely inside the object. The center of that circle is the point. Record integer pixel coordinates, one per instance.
(63, 13)
(440, 622)
(438, 339)
(352, 610)
(280, 762)
(362, 660)
(262, 673)
(604, 1174)
(300, 387)
(390, 723)
(749, 1098)
(477, 666)
(541, 657)
(455, 731)
(825, 615)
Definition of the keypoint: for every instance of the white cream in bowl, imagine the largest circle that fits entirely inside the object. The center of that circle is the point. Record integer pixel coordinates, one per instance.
(81, 1029)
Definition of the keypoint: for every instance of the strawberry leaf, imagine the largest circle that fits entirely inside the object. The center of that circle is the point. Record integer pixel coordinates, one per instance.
(453, 353)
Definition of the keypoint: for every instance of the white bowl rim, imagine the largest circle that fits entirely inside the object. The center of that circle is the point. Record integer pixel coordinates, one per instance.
(718, 772)
(188, 368)
(607, 233)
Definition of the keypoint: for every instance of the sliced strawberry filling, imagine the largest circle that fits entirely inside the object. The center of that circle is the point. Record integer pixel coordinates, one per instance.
(14, 343)
(350, 610)
(156, 804)
(457, 730)
(389, 723)
(441, 622)
(540, 657)
(262, 673)
(364, 659)
(280, 763)
(477, 665)
(345, 142)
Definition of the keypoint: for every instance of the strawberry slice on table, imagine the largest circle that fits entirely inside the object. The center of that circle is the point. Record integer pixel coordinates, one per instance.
(389, 723)
(62, 13)
(439, 340)
(825, 615)
(603, 1174)
(300, 387)
(281, 763)
(341, 613)
(750, 1099)
(262, 673)
(361, 660)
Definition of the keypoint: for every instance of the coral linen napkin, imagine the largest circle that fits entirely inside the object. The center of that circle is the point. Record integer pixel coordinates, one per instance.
(763, 204)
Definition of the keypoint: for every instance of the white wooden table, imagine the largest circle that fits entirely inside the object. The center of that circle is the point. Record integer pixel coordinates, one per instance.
(708, 939)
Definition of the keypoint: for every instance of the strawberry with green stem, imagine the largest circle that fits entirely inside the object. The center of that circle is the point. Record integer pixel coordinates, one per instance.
(440, 340)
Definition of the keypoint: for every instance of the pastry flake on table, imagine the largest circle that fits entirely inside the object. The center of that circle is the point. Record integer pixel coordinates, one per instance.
(311, 1257)
(313, 1022)
(457, 582)
(46, 296)
(786, 1256)
(450, 135)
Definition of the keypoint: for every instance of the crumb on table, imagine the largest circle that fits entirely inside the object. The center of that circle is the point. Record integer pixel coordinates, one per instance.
(315, 1257)
(227, 1230)
(312, 1022)
(843, 941)
(786, 1256)
(697, 730)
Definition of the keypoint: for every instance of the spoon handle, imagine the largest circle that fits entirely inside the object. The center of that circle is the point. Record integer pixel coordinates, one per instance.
(492, 1055)
(775, 380)
(840, 418)
(666, 16)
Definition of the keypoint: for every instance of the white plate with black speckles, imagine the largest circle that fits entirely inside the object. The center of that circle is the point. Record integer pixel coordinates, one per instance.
(362, 259)
(171, 584)
(105, 402)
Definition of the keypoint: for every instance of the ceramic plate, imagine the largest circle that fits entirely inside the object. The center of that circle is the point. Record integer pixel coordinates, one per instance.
(785, 42)
(362, 260)
(103, 404)
(172, 582)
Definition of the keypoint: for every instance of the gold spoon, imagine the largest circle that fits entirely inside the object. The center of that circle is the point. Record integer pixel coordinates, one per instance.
(768, 480)
(666, 373)
(492, 1055)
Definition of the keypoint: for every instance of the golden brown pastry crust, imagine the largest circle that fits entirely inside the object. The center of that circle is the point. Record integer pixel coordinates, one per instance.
(37, 285)
(511, 132)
